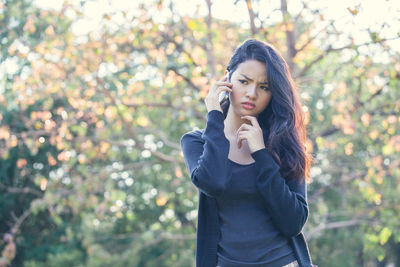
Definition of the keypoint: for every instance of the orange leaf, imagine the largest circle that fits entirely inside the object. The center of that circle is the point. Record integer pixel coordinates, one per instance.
(21, 163)
(161, 199)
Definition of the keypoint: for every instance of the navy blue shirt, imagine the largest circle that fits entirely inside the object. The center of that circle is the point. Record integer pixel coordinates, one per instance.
(248, 236)
(206, 158)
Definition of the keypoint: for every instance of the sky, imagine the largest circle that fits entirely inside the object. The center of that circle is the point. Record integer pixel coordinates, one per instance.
(371, 13)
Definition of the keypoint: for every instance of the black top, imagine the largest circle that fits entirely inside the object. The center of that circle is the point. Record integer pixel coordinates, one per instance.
(248, 236)
(206, 158)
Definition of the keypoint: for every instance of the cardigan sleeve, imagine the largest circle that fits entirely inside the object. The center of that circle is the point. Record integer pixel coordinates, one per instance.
(206, 155)
(286, 201)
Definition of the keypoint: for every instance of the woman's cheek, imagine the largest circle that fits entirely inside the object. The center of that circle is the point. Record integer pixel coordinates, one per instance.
(235, 88)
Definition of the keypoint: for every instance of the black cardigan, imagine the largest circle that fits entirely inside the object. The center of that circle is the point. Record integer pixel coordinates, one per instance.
(206, 158)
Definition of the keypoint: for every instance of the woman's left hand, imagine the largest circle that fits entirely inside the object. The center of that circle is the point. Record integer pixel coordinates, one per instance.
(251, 133)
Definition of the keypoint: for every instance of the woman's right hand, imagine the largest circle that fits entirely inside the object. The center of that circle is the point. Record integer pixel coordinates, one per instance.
(212, 99)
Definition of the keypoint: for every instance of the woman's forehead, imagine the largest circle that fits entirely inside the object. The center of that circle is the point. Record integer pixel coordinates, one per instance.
(253, 69)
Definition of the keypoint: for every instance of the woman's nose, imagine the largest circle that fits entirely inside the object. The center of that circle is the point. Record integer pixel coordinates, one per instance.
(251, 91)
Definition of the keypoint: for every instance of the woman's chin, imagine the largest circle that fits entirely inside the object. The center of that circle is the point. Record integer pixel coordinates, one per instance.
(250, 112)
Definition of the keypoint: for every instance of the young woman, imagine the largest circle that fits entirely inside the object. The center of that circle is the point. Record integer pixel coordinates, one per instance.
(250, 166)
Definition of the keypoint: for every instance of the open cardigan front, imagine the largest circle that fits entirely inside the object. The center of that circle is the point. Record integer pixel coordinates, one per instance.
(206, 158)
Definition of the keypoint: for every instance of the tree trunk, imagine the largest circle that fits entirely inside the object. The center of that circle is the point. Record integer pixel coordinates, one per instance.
(251, 16)
(210, 46)
(290, 35)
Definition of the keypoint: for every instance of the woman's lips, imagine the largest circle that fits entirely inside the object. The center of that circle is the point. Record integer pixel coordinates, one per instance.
(247, 106)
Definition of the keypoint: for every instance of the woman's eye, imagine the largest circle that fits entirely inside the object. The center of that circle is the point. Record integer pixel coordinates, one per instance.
(243, 81)
(264, 88)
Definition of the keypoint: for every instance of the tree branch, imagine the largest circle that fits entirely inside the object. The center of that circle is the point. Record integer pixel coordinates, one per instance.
(20, 220)
(179, 48)
(331, 49)
(24, 190)
(309, 65)
(312, 38)
(332, 225)
(131, 131)
(164, 139)
(343, 179)
(166, 105)
(187, 80)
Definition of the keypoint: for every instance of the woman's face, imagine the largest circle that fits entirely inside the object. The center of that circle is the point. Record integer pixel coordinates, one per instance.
(250, 85)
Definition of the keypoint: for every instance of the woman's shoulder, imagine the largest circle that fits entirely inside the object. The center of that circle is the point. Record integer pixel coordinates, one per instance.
(193, 134)
(196, 132)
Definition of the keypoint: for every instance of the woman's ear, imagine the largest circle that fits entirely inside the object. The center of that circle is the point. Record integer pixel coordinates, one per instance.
(226, 73)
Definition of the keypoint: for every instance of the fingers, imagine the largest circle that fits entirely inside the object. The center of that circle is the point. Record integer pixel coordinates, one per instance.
(223, 84)
(242, 127)
(223, 81)
(218, 87)
(241, 137)
(212, 99)
(226, 88)
(252, 119)
(242, 131)
(240, 134)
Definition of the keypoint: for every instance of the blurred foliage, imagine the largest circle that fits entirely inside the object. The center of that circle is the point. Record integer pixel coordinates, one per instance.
(91, 172)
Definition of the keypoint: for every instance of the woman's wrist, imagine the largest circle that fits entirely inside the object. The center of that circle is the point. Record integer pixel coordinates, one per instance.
(214, 108)
(253, 150)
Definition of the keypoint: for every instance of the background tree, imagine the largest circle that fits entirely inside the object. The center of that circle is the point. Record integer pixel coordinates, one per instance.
(91, 172)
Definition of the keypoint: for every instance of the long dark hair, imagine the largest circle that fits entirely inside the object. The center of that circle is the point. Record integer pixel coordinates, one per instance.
(282, 121)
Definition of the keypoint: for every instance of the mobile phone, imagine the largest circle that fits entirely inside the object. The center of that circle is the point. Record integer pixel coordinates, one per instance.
(224, 97)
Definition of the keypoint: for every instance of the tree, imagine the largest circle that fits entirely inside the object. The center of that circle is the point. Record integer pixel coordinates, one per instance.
(91, 169)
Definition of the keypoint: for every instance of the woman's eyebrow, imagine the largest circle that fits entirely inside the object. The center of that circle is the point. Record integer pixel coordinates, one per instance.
(251, 79)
